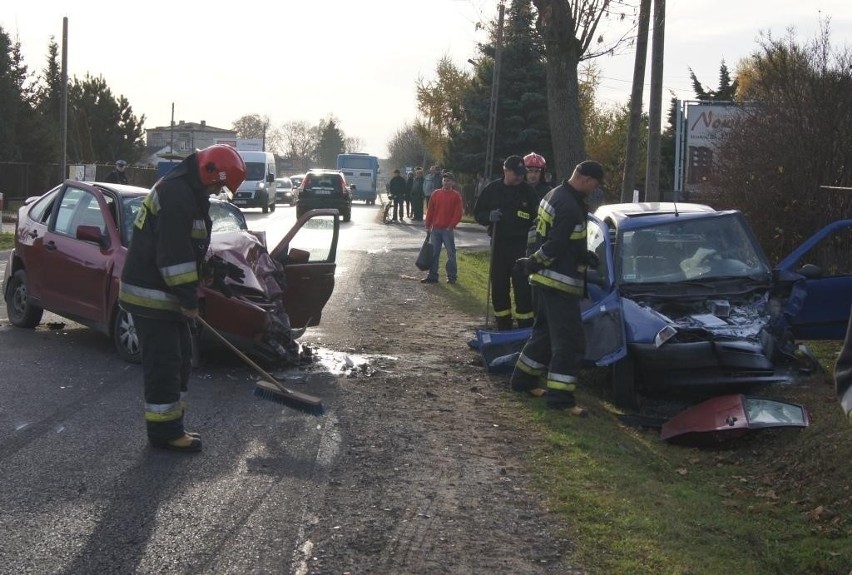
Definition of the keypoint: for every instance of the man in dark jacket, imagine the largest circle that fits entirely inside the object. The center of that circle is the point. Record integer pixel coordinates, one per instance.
(396, 191)
(118, 176)
(557, 273)
(417, 195)
(507, 207)
(160, 278)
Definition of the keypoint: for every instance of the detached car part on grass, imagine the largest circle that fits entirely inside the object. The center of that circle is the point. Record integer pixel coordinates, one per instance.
(70, 247)
(685, 297)
(731, 416)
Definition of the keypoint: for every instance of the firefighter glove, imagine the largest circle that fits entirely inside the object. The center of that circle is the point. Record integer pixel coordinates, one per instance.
(495, 215)
(528, 265)
(591, 260)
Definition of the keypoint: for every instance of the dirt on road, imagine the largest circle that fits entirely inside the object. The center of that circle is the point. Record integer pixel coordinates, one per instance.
(429, 478)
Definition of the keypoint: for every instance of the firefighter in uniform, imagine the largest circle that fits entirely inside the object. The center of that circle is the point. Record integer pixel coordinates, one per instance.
(507, 206)
(536, 165)
(161, 275)
(557, 273)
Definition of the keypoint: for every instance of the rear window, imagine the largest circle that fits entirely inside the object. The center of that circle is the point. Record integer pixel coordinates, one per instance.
(323, 182)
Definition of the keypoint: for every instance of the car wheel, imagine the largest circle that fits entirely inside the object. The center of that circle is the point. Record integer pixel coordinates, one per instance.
(125, 338)
(21, 311)
(625, 391)
(347, 216)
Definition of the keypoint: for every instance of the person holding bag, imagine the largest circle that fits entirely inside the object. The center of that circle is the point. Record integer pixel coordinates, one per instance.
(444, 214)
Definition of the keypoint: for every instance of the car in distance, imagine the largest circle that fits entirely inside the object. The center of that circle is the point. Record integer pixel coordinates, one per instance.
(71, 244)
(324, 189)
(296, 179)
(684, 296)
(284, 191)
(258, 189)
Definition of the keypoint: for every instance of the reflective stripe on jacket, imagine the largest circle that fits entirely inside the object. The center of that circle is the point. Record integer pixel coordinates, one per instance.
(560, 234)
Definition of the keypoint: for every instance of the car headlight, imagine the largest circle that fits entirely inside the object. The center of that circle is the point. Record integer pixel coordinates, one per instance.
(664, 335)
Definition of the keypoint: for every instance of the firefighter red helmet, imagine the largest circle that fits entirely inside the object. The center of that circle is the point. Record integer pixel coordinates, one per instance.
(221, 164)
(533, 160)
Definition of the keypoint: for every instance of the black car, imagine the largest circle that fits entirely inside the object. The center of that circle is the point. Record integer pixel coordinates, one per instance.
(285, 191)
(324, 189)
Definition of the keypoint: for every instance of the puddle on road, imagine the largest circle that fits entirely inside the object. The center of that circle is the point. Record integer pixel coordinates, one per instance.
(340, 363)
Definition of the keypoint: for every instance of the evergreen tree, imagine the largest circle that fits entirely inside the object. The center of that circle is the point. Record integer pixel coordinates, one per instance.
(522, 122)
(330, 143)
(14, 100)
(101, 128)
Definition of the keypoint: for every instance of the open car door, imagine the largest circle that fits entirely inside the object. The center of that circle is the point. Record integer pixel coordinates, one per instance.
(603, 317)
(308, 253)
(818, 275)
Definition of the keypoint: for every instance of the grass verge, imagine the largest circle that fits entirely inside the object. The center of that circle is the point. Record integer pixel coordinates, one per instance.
(774, 501)
(7, 241)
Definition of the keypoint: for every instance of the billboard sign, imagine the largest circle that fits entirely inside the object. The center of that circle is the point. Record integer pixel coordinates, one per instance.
(707, 124)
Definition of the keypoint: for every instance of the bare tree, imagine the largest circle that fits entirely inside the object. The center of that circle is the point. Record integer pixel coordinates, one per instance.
(406, 147)
(353, 144)
(569, 29)
(251, 126)
(299, 140)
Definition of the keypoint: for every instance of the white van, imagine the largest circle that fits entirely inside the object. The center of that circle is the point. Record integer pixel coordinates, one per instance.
(258, 189)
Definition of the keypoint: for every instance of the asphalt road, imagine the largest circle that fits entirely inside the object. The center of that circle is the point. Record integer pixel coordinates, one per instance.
(81, 491)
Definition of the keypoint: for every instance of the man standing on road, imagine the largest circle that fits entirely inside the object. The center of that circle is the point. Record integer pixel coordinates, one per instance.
(396, 191)
(417, 195)
(432, 182)
(117, 176)
(557, 273)
(507, 207)
(445, 213)
(160, 278)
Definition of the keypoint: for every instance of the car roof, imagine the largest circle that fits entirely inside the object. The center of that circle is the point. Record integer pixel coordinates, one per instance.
(642, 214)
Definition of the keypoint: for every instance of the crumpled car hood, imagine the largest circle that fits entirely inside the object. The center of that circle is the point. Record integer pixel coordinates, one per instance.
(248, 253)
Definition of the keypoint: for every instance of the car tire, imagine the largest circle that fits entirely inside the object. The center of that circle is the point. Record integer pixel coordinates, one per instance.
(347, 216)
(625, 391)
(21, 311)
(125, 338)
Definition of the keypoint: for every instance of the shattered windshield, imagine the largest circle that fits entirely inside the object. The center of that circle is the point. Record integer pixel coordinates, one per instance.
(690, 249)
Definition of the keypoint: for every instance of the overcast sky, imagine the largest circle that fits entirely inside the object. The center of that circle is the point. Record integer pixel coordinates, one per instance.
(358, 60)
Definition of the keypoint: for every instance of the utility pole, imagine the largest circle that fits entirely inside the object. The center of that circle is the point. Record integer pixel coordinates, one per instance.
(63, 107)
(629, 179)
(495, 85)
(652, 175)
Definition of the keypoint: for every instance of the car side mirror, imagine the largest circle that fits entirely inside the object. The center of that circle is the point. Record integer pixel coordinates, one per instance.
(91, 234)
(270, 178)
(352, 187)
(810, 271)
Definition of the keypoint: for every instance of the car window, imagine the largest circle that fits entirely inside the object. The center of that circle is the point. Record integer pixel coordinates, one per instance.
(284, 182)
(255, 171)
(131, 208)
(78, 208)
(226, 217)
(705, 248)
(41, 209)
(324, 182)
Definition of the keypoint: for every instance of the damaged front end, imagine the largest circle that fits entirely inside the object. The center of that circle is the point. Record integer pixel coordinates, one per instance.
(711, 341)
(244, 297)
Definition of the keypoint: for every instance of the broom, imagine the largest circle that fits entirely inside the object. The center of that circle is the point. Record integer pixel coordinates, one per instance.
(271, 389)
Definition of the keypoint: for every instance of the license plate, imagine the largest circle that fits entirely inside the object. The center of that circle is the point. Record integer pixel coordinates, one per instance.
(322, 192)
(239, 202)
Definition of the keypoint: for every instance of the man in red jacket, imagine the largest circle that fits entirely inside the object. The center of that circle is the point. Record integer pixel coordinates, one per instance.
(444, 214)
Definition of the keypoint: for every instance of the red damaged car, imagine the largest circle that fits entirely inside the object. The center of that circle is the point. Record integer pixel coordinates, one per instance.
(70, 247)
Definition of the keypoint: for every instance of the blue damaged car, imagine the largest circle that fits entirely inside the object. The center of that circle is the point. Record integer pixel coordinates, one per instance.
(684, 296)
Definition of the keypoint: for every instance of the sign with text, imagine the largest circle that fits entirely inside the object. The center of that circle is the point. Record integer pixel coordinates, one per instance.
(706, 128)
